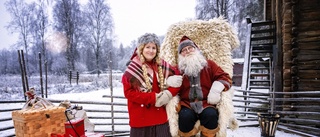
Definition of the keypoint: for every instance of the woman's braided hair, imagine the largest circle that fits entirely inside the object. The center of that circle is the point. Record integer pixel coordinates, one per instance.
(142, 41)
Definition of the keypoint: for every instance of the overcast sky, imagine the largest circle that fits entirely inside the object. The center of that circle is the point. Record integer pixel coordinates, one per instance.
(132, 18)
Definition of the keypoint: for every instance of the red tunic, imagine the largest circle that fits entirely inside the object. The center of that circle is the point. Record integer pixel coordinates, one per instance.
(212, 72)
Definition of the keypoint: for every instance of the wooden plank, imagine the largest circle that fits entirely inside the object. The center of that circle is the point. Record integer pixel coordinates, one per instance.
(90, 102)
(308, 33)
(102, 117)
(309, 16)
(250, 96)
(309, 121)
(298, 113)
(298, 93)
(283, 126)
(311, 81)
(308, 62)
(9, 110)
(309, 25)
(309, 78)
(117, 134)
(309, 39)
(287, 89)
(6, 128)
(308, 5)
(296, 99)
(254, 107)
(287, 83)
(287, 16)
(266, 30)
(309, 85)
(251, 91)
(109, 111)
(309, 45)
(315, 107)
(287, 74)
(306, 88)
(5, 119)
(302, 66)
(305, 66)
(308, 57)
(115, 123)
(263, 23)
(249, 101)
(309, 52)
(309, 72)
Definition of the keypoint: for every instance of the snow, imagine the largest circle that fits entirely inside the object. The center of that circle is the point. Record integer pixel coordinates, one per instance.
(118, 91)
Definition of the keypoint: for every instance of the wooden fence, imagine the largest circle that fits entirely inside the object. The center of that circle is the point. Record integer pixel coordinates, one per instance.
(73, 75)
(108, 117)
(301, 117)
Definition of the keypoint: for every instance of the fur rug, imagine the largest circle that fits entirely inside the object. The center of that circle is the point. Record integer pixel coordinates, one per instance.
(216, 38)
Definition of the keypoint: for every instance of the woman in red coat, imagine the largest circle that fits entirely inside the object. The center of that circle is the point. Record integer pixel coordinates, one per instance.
(144, 84)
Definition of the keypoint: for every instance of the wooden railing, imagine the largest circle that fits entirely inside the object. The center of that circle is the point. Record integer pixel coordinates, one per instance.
(109, 118)
(302, 117)
(73, 75)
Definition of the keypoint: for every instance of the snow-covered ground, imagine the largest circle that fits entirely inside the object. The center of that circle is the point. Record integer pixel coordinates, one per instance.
(118, 91)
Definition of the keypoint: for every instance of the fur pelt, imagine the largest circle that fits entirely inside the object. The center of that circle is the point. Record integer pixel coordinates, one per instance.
(225, 108)
(216, 39)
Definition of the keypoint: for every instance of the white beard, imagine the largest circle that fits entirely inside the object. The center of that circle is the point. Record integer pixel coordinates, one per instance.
(192, 64)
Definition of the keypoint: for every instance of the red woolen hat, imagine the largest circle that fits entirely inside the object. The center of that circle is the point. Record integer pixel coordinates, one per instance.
(185, 41)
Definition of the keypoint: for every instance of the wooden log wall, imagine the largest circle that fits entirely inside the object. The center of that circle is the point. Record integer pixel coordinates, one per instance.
(306, 45)
(300, 28)
(287, 46)
(301, 45)
(268, 11)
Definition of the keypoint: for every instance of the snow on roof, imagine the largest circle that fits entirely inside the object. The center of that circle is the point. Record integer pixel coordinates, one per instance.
(238, 60)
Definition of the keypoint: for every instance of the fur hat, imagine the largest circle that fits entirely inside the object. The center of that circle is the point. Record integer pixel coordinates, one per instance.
(185, 41)
(148, 38)
(144, 40)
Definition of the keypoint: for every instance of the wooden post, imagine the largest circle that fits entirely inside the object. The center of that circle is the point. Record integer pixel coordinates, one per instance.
(25, 71)
(111, 91)
(22, 76)
(70, 76)
(77, 77)
(40, 69)
(46, 73)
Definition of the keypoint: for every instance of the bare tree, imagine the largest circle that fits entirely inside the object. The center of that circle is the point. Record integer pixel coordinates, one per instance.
(7, 57)
(67, 19)
(40, 26)
(208, 9)
(233, 10)
(98, 28)
(21, 22)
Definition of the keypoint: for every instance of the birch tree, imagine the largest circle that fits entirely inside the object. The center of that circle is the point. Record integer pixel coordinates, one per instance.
(21, 22)
(98, 28)
(67, 20)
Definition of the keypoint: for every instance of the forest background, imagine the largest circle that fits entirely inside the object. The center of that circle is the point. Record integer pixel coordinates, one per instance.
(82, 37)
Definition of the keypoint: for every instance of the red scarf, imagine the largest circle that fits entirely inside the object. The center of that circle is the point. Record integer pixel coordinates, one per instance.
(135, 70)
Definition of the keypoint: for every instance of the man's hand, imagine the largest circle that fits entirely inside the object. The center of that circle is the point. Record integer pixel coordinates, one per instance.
(163, 98)
(215, 92)
(174, 81)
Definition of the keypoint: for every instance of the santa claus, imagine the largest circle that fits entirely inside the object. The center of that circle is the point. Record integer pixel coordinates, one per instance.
(203, 82)
(204, 104)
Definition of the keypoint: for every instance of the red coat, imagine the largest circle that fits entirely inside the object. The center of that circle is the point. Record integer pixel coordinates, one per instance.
(141, 104)
(212, 72)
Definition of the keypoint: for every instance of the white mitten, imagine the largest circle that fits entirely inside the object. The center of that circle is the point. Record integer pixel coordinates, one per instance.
(215, 92)
(163, 98)
(174, 81)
